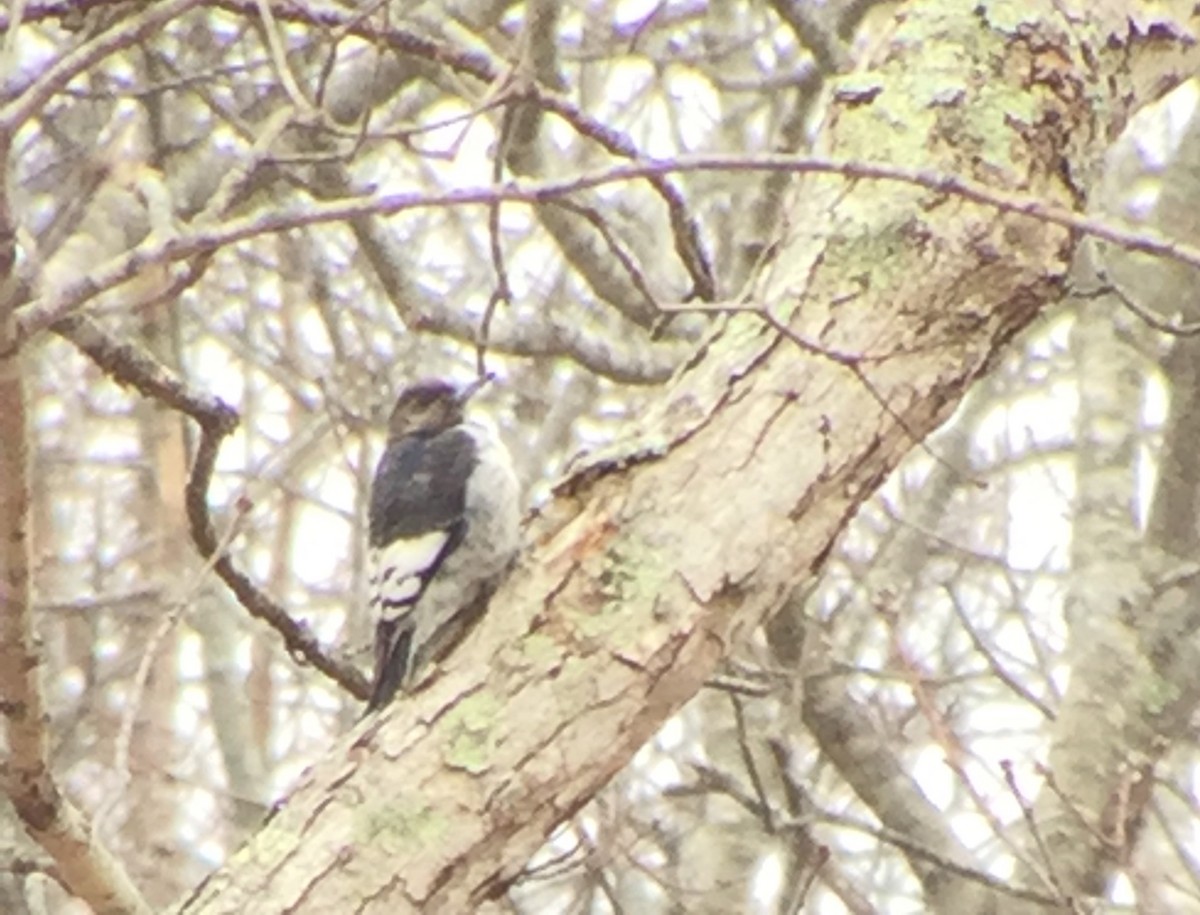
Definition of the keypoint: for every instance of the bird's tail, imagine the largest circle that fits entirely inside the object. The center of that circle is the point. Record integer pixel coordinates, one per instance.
(393, 647)
(397, 659)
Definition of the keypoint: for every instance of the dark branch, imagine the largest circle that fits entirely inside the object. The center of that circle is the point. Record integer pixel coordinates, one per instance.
(128, 364)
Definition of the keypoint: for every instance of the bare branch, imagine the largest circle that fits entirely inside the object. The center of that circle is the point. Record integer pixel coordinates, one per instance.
(131, 365)
(43, 312)
(32, 98)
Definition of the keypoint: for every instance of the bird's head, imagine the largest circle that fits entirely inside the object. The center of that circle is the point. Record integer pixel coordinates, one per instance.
(430, 406)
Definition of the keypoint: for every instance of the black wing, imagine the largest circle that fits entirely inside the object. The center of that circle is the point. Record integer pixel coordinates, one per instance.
(420, 486)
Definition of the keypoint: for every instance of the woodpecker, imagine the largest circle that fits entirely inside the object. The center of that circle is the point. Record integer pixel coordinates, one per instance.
(443, 530)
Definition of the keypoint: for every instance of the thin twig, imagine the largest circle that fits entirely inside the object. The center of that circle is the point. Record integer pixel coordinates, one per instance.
(1173, 328)
(129, 713)
(279, 61)
(739, 718)
(1049, 876)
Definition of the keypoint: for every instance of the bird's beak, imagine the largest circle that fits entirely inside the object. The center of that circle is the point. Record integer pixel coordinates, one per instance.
(473, 388)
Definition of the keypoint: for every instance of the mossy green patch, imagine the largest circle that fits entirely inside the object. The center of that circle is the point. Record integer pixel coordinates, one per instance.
(1157, 693)
(398, 827)
(630, 579)
(471, 727)
(540, 650)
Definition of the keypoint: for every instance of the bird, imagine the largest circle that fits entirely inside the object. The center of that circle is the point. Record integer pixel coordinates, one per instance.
(443, 530)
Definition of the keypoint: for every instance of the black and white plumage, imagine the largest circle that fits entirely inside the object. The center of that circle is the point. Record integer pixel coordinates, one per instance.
(443, 529)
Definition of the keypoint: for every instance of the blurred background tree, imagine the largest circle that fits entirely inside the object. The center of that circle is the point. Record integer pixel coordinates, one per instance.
(985, 702)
